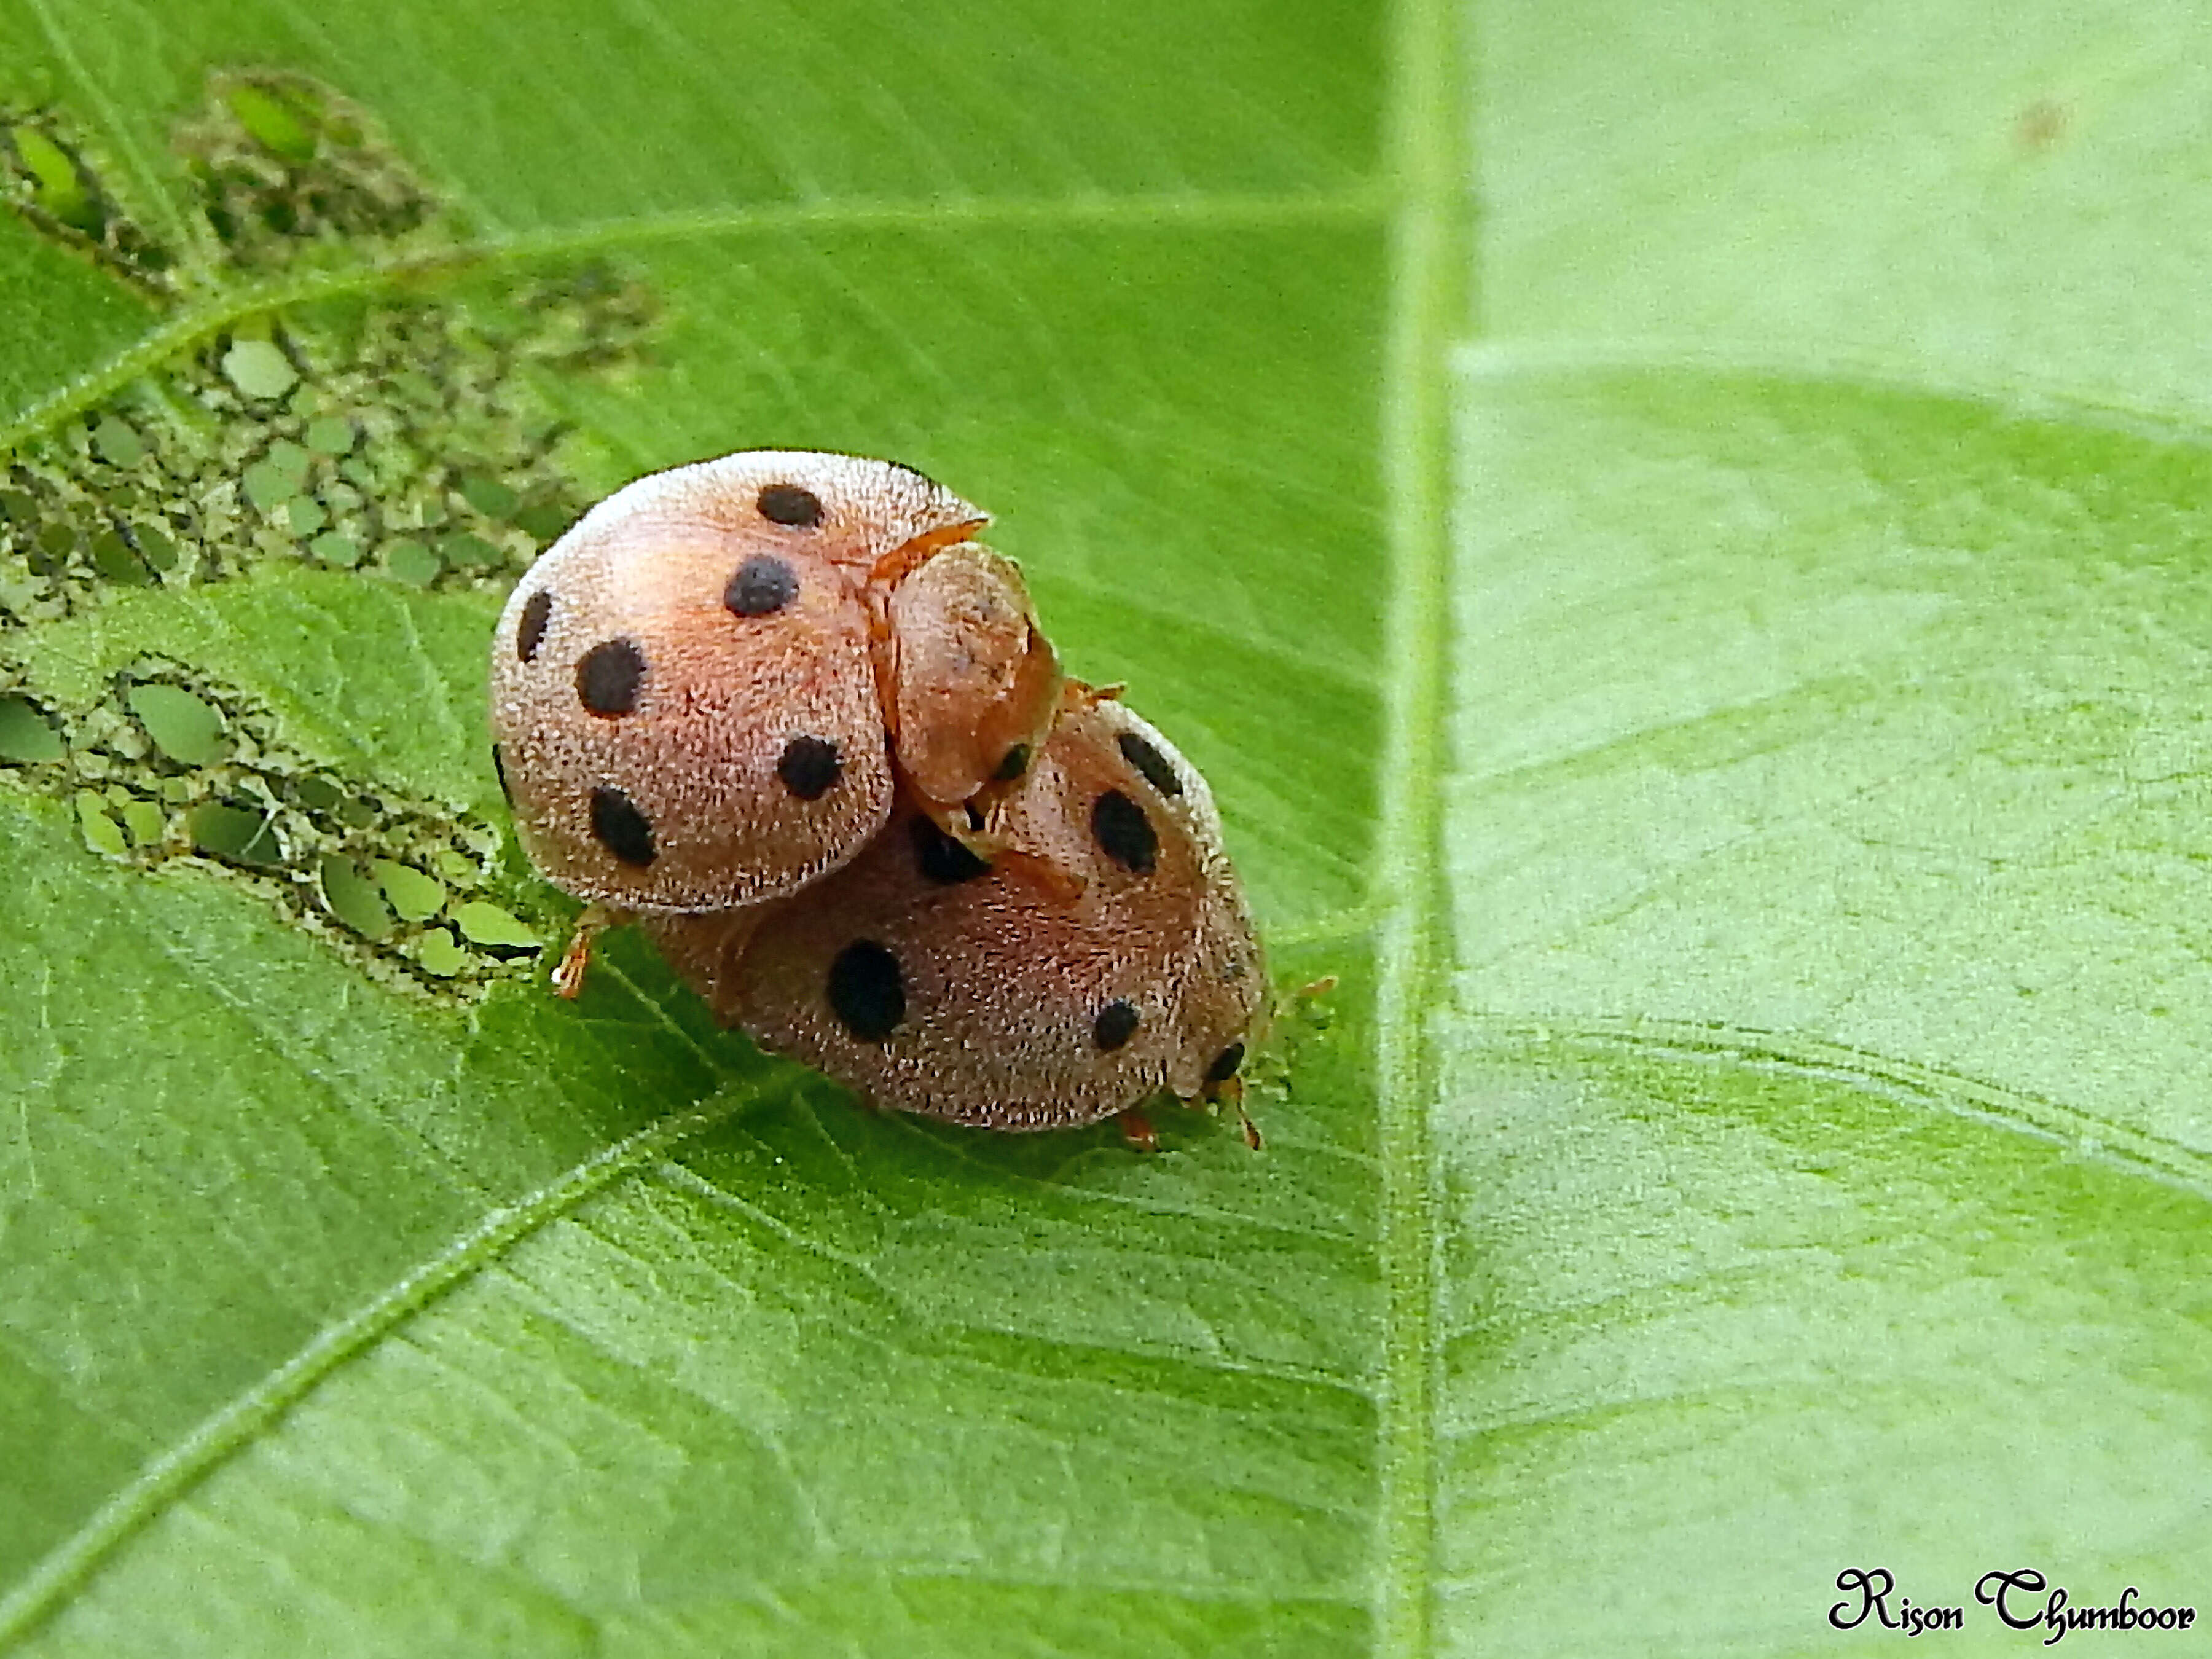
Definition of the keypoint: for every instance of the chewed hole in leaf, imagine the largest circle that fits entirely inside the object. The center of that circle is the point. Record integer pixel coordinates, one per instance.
(168, 766)
(45, 168)
(183, 728)
(280, 121)
(353, 899)
(405, 441)
(440, 953)
(283, 162)
(259, 369)
(484, 924)
(28, 736)
(233, 833)
(414, 895)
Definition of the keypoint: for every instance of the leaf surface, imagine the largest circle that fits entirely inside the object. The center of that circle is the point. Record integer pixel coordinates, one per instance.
(1723, 699)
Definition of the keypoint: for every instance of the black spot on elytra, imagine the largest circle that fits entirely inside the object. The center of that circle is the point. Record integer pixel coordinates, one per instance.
(939, 858)
(530, 632)
(762, 586)
(1013, 764)
(1123, 833)
(1226, 1064)
(1116, 1025)
(787, 503)
(866, 991)
(809, 767)
(1152, 764)
(499, 765)
(620, 827)
(608, 677)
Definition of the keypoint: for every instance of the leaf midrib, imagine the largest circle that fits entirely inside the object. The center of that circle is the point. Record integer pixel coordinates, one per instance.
(1432, 267)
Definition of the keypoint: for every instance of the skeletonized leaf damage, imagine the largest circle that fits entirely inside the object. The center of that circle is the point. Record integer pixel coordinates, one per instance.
(407, 442)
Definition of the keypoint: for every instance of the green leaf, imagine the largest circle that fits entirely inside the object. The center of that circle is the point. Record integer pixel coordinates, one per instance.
(1706, 651)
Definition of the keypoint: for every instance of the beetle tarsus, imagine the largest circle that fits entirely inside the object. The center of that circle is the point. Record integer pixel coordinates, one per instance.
(576, 960)
(1137, 1130)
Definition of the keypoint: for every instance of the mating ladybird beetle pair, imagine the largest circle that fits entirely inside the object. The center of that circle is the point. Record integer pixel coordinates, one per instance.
(784, 709)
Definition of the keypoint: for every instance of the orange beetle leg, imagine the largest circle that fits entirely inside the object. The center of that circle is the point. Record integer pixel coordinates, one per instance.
(1251, 1129)
(1137, 1130)
(576, 960)
(1231, 1089)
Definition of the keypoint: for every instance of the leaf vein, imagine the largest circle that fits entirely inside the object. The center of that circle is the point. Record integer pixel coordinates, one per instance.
(200, 322)
(235, 1427)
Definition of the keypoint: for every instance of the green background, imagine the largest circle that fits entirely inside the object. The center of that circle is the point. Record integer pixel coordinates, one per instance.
(1675, 533)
